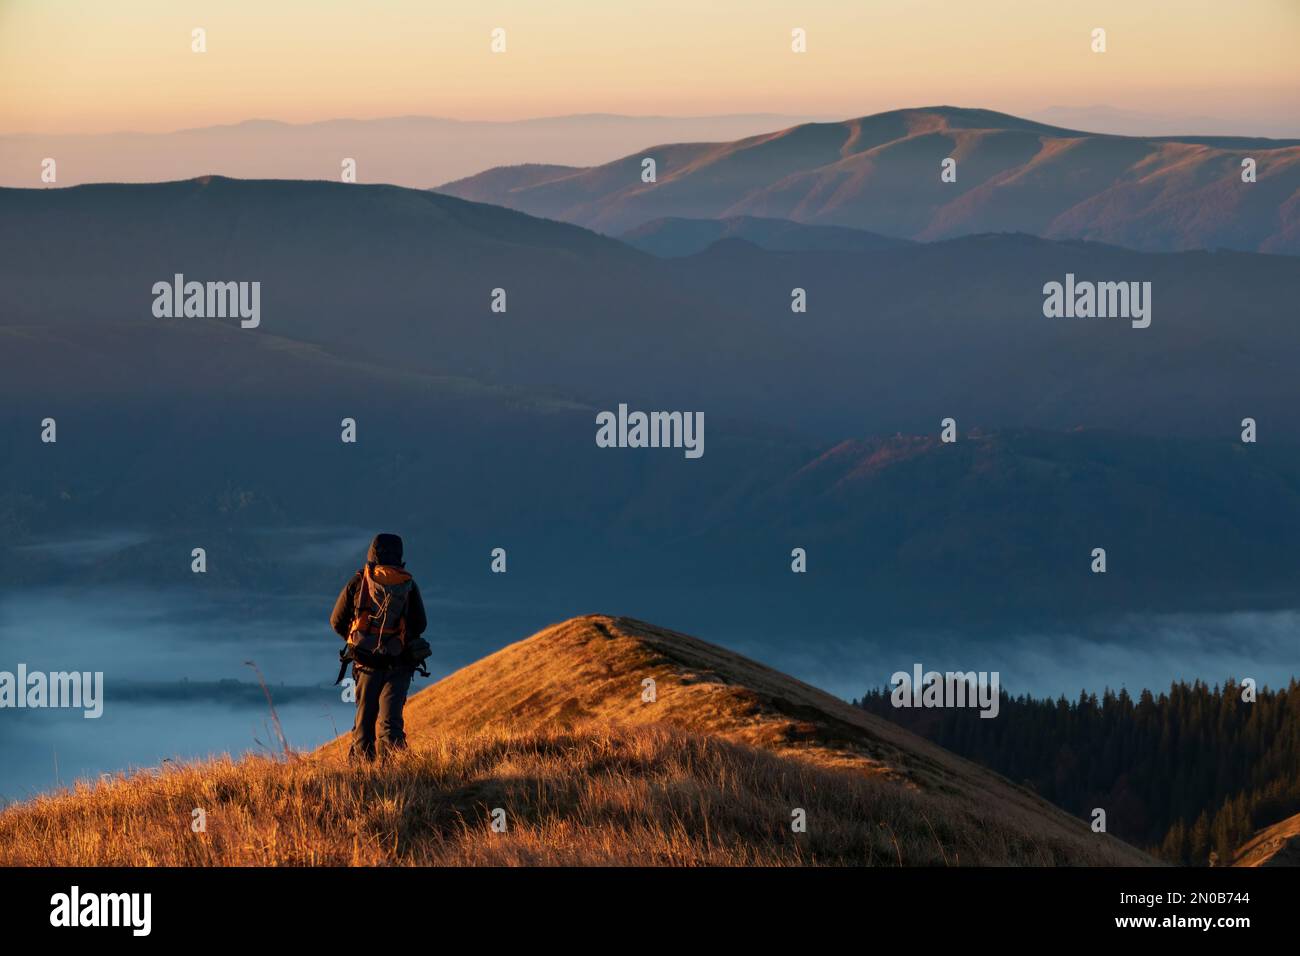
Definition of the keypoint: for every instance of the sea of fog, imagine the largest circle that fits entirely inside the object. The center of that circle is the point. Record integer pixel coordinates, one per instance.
(177, 680)
(165, 654)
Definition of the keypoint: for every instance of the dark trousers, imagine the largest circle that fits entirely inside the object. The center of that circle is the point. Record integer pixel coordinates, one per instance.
(381, 695)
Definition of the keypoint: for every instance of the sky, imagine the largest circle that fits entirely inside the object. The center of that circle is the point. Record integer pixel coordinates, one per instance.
(88, 66)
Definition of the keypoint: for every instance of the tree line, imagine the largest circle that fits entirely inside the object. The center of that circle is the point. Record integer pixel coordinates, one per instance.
(1190, 774)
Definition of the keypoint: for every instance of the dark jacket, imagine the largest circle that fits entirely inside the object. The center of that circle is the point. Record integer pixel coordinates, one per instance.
(345, 609)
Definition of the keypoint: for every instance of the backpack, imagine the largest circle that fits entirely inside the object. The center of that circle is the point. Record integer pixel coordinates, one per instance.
(379, 618)
(377, 637)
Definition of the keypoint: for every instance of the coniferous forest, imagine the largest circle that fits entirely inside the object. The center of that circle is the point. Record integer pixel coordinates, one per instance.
(1192, 772)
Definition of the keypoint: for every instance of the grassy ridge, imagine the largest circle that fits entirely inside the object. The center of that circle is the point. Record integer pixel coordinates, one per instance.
(598, 795)
(556, 731)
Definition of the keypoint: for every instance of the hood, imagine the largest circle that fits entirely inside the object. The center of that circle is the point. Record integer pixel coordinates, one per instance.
(385, 549)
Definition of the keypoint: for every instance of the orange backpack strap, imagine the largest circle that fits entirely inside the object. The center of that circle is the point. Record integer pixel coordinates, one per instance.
(363, 594)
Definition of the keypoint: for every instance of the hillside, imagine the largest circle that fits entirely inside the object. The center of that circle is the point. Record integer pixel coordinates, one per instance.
(406, 278)
(881, 173)
(1191, 770)
(1023, 505)
(672, 237)
(554, 731)
(375, 305)
(590, 670)
(1278, 845)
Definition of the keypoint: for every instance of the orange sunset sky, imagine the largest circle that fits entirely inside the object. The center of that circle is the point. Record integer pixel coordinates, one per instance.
(80, 66)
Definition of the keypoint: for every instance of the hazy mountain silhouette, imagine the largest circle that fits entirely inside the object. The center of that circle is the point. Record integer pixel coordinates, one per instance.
(882, 173)
(415, 151)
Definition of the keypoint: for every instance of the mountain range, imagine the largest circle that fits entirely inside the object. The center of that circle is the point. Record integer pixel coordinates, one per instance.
(922, 301)
(822, 427)
(882, 173)
(892, 340)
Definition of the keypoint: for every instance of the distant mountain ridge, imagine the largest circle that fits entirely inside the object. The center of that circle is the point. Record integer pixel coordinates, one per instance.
(685, 237)
(882, 173)
(412, 151)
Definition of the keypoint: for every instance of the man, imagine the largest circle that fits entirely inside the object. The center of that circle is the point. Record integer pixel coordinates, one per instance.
(381, 615)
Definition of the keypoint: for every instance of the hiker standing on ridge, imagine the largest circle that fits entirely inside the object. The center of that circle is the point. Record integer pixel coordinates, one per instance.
(381, 615)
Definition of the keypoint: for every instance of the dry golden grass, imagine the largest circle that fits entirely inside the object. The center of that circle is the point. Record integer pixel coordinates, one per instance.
(651, 795)
(1277, 845)
(554, 731)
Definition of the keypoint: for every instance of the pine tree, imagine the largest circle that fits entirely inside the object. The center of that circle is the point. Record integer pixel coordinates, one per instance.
(1194, 751)
(1174, 848)
(1198, 842)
